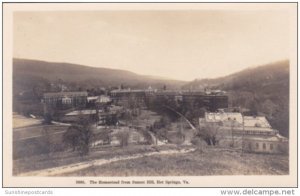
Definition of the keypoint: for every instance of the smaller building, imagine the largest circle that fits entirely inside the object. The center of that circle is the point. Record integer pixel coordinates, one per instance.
(98, 101)
(250, 133)
(100, 117)
(271, 144)
(103, 99)
(77, 115)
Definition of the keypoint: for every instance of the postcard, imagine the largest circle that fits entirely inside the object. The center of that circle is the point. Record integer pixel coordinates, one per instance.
(150, 95)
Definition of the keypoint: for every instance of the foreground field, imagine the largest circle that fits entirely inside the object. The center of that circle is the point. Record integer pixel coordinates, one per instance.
(63, 159)
(209, 161)
(197, 163)
(37, 139)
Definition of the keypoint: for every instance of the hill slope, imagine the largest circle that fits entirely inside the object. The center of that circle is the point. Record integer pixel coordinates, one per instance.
(274, 73)
(264, 90)
(27, 73)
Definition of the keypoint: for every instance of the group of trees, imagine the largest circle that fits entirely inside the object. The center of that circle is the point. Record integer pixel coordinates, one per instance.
(79, 135)
(159, 127)
(192, 110)
(209, 133)
(194, 114)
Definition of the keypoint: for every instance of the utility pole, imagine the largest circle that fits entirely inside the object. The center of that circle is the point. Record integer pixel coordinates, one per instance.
(243, 133)
(232, 137)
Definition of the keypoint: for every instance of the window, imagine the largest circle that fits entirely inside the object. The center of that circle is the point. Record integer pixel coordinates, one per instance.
(271, 146)
(257, 146)
(264, 146)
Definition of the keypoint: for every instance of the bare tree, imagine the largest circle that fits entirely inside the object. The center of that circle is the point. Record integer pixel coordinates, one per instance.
(79, 135)
(209, 133)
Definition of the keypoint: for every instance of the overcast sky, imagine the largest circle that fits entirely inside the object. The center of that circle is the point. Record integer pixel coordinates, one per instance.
(181, 45)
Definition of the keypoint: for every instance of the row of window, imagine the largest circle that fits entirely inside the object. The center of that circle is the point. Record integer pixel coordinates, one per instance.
(273, 132)
(264, 146)
(55, 100)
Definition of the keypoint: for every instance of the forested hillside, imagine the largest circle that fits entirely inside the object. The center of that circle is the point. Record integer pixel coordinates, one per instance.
(28, 74)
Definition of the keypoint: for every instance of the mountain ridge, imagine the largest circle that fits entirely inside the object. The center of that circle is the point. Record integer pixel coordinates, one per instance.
(214, 82)
(68, 72)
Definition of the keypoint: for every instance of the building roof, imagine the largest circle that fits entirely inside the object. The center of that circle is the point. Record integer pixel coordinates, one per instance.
(92, 98)
(273, 138)
(99, 99)
(112, 110)
(132, 90)
(103, 99)
(256, 121)
(81, 112)
(225, 121)
(249, 121)
(65, 94)
(223, 116)
(255, 127)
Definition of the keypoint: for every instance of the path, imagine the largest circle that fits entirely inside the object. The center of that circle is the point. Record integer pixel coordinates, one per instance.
(191, 125)
(78, 166)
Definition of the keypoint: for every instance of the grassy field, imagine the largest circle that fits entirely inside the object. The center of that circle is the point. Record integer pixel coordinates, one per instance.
(44, 161)
(201, 162)
(39, 139)
(22, 121)
(209, 161)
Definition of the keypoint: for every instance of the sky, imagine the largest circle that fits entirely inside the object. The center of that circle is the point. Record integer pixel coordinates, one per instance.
(182, 44)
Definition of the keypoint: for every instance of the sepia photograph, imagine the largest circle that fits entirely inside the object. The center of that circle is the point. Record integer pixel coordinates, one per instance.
(138, 95)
